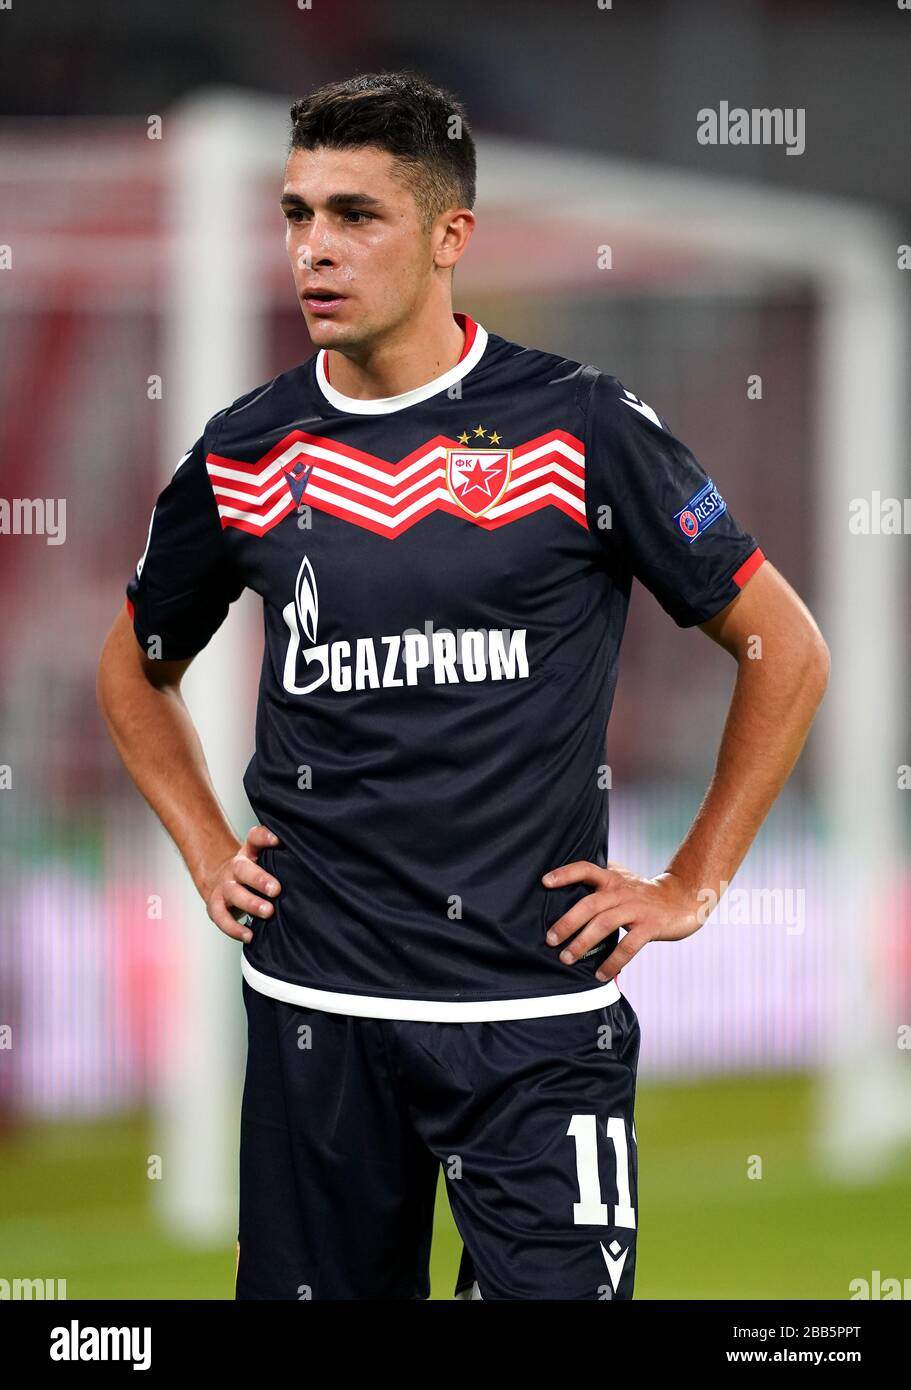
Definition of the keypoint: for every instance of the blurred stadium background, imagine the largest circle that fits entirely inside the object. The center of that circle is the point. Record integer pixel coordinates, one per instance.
(146, 286)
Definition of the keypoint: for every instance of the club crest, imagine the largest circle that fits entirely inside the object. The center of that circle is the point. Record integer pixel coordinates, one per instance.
(477, 478)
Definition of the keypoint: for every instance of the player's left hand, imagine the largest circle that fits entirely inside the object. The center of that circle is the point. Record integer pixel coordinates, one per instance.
(662, 908)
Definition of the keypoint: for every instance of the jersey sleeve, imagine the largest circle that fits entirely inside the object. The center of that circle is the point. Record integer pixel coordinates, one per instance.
(654, 511)
(185, 581)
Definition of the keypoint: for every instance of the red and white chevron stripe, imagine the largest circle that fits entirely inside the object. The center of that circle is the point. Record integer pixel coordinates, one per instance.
(387, 498)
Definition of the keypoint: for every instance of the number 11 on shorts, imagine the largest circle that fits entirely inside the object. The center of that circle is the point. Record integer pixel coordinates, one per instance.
(590, 1210)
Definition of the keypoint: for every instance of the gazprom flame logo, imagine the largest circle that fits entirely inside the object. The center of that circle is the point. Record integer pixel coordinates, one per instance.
(306, 600)
(399, 659)
(302, 619)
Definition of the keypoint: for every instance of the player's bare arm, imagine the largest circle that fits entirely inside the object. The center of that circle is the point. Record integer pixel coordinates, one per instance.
(155, 736)
(782, 672)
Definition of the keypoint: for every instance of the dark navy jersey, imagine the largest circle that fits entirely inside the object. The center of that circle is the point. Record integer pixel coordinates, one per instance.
(445, 577)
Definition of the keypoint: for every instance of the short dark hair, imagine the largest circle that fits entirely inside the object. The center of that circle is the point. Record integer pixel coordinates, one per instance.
(423, 126)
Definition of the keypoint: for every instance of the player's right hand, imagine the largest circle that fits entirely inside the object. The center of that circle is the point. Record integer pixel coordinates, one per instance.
(230, 902)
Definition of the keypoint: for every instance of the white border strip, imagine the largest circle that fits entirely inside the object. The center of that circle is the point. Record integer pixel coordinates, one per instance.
(430, 1010)
(384, 405)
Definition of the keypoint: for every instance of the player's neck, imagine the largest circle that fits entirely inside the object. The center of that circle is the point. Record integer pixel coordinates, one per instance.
(422, 350)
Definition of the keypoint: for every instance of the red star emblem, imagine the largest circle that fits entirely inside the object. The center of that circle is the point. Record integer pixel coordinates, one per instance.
(477, 478)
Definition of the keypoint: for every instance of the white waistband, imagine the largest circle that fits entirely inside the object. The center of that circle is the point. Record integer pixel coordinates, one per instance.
(430, 1010)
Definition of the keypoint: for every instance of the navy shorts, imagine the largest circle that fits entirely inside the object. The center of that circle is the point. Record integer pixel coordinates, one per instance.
(346, 1121)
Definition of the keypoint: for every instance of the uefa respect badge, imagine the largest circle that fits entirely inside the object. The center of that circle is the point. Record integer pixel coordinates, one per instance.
(700, 511)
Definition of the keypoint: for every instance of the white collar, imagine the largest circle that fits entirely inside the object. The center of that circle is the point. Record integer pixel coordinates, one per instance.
(383, 405)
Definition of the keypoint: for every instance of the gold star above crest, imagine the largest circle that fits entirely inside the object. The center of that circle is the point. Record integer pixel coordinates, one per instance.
(479, 433)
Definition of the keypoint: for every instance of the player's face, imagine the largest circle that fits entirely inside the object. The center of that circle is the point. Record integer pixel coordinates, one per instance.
(353, 230)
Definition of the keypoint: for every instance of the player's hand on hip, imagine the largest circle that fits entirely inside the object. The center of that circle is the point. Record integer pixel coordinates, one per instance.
(238, 890)
(663, 908)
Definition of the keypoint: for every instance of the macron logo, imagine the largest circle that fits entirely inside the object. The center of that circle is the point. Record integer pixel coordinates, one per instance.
(634, 403)
(614, 1266)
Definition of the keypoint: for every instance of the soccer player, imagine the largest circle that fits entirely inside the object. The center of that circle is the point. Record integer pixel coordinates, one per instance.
(443, 526)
